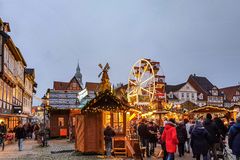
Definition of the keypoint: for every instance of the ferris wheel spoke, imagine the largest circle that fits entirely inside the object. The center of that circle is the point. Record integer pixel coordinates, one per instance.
(147, 90)
(131, 92)
(132, 82)
(147, 80)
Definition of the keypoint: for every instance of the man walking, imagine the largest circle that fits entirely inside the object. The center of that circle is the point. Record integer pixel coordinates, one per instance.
(234, 138)
(20, 135)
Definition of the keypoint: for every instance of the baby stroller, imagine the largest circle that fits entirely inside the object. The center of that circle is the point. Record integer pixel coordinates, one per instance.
(221, 151)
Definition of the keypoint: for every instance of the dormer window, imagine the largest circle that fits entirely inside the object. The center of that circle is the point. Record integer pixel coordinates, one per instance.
(200, 96)
(214, 91)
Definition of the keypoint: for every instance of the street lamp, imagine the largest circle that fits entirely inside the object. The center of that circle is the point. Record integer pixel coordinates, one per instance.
(44, 98)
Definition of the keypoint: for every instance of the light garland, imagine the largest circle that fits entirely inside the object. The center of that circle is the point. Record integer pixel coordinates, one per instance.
(111, 103)
(210, 107)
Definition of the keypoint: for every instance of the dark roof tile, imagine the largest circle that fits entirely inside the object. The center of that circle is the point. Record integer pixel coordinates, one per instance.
(173, 88)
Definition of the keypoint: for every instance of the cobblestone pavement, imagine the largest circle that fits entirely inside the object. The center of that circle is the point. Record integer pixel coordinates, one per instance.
(32, 151)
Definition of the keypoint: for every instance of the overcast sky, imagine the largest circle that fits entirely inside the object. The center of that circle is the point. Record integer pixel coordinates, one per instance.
(186, 36)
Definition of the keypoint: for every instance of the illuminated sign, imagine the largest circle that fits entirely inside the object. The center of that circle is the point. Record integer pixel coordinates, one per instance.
(17, 109)
(82, 94)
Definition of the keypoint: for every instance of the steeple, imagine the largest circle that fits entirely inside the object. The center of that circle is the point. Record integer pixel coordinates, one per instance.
(78, 75)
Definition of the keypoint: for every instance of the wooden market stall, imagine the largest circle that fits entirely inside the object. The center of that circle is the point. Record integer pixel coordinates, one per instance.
(105, 109)
(101, 111)
(221, 112)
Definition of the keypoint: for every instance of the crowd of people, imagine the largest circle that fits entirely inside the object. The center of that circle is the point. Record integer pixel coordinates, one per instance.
(22, 132)
(203, 137)
(25, 131)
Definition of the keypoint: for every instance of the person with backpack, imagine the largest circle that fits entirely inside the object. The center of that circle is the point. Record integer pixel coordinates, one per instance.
(234, 138)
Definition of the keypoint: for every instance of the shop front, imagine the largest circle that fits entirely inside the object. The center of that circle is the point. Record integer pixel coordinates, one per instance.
(11, 120)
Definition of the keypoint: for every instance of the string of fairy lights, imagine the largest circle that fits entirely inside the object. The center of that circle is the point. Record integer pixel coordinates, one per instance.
(105, 101)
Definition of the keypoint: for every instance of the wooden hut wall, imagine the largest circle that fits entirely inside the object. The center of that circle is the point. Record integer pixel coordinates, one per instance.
(54, 122)
(79, 130)
(89, 133)
(72, 119)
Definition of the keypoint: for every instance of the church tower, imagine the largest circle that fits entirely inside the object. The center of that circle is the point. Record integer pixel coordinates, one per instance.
(78, 75)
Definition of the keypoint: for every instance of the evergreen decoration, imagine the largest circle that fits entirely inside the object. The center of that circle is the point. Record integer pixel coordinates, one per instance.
(105, 101)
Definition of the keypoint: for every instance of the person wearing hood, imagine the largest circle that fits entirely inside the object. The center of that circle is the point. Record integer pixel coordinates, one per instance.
(108, 134)
(199, 141)
(169, 136)
(234, 138)
(214, 136)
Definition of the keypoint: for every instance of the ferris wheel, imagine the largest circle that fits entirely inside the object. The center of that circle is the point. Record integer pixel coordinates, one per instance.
(141, 82)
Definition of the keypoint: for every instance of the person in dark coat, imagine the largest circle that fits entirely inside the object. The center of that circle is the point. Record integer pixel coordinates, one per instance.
(152, 136)
(144, 135)
(234, 138)
(222, 129)
(3, 131)
(199, 141)
(163, 143)
(3, 128)
(182, 138)
(20, 135)
(108, 134)
(213, 131)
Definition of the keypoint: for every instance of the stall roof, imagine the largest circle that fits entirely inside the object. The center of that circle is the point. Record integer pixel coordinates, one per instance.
(210, 109)
(188, 105)
(105, 101)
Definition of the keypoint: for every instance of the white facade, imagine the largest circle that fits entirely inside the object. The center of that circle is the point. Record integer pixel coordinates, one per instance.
(186, 93)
